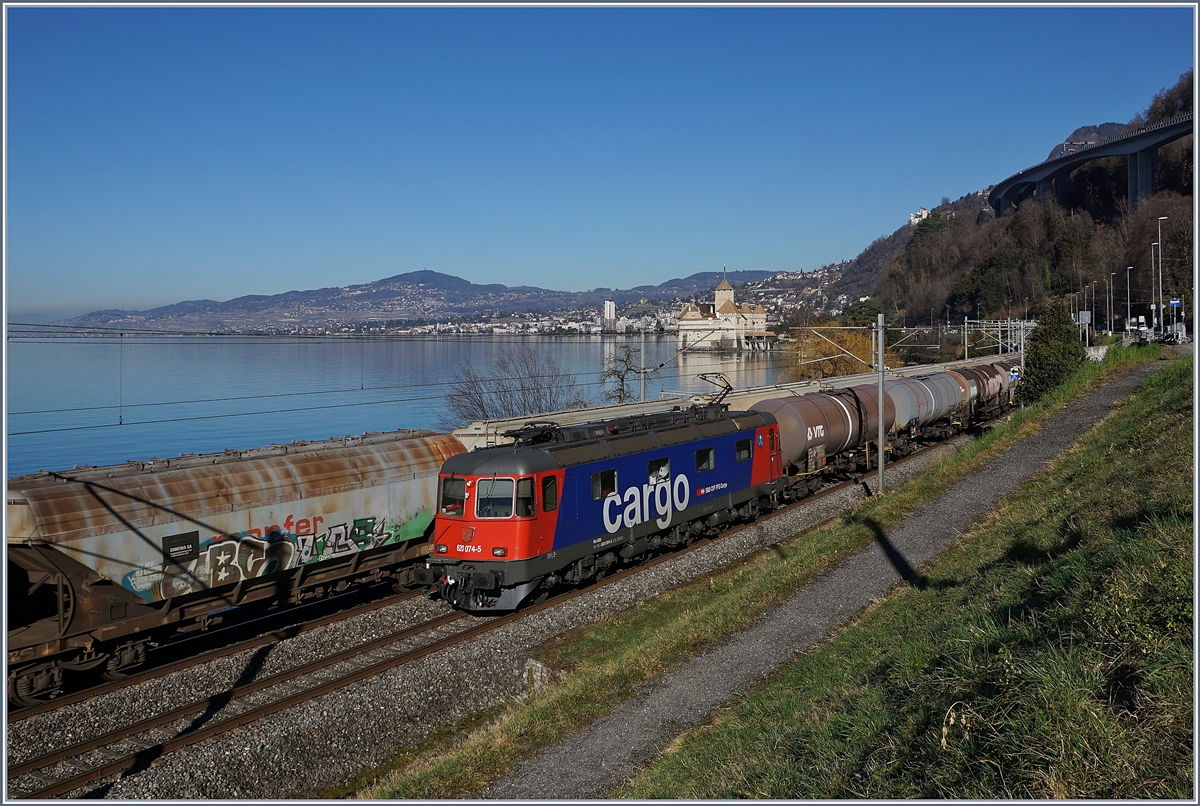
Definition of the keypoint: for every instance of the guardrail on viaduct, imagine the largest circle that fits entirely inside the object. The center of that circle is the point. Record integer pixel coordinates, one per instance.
(1054, 175)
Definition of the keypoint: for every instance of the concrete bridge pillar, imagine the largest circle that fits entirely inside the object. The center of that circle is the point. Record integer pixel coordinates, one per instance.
(1057, 185)
(1045, 187)
(1062, 188)
(1141, 169)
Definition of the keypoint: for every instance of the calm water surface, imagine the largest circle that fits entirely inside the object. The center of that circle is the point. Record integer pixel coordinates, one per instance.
(102, 401)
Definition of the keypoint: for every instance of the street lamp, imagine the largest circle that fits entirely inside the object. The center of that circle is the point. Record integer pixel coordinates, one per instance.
(1092, 312)
(1154, 307)
(1161, 219)
(1129, 269)
(1107, 313)
(1112, 300)
(1108, 307)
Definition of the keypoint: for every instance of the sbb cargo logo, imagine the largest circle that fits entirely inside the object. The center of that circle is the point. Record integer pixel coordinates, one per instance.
(711, 489)
(645, 502)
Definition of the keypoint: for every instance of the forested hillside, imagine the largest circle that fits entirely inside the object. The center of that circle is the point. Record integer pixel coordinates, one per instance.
(981, 266)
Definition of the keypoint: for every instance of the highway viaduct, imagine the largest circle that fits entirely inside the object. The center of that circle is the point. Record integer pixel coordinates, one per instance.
(1054, 175)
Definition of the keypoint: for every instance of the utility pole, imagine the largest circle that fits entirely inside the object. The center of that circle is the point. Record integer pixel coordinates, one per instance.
(1092, 312)
(642, 371)
(882, 333)
(1022, 349)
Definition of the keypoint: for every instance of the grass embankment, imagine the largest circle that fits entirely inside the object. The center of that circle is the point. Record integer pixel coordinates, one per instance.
(1049, 655)
(602, 664)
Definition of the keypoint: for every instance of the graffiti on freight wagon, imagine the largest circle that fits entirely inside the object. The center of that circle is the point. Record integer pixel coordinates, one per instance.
(363, 534)
(188, 566)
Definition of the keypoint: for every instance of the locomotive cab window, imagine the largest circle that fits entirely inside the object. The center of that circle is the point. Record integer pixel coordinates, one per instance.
(742, 449)
(524, 498)
(704, 460)
(494, 498)
(660, 470)
(604, 483)
(454, 497)
(549, 494)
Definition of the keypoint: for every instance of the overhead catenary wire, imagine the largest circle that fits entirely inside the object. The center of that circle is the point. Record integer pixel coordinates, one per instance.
(362, 387)
(153, 336)
(226, 415)
(272, 395)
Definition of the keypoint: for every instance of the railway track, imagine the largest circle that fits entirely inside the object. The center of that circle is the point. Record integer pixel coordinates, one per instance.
(95, 759)
(135, 746)
(263, 634)
(74, 767)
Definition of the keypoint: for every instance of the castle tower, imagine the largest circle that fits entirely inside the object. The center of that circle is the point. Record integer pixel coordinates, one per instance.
(722, 294)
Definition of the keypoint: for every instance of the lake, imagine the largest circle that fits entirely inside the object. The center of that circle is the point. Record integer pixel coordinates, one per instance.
(100, 401)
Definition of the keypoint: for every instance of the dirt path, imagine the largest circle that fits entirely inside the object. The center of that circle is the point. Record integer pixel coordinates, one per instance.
(612, 750)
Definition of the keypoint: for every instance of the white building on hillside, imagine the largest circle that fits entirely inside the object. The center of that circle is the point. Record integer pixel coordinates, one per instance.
(723, 325)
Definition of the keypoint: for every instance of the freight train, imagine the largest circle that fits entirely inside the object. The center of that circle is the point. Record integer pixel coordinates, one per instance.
(104, 563)
(561, 505)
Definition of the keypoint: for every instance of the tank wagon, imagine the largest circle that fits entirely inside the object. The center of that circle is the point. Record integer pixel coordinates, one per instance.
(104, 561)
(834, 432)
(563, 504)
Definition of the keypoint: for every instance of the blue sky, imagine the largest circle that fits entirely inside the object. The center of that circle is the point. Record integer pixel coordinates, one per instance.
(157, 155)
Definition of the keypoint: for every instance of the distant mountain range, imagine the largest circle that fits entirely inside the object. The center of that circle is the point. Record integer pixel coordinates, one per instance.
(419, 295)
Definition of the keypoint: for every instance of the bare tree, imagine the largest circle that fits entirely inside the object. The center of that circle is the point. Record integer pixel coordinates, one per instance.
(621, 371)
(521, 381)
(821, 351)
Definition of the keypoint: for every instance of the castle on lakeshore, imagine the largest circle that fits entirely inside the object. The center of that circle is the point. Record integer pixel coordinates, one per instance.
(723, 325)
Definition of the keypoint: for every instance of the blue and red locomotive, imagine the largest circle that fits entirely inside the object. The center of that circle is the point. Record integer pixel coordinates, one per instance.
(565, 504)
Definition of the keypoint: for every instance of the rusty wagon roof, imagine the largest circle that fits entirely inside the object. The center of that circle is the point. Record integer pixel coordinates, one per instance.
(96, 500)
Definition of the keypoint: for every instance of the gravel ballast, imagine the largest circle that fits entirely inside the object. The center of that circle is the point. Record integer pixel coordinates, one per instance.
(333, 738)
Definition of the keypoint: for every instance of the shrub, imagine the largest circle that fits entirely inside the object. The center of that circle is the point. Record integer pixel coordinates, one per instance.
(1052, 352)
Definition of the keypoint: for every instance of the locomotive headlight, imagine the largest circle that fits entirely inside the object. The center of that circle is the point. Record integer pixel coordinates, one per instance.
(499, 551)
(441, 548)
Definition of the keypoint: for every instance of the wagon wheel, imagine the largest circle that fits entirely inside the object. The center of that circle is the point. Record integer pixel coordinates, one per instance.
(35, 685)
(124, 661)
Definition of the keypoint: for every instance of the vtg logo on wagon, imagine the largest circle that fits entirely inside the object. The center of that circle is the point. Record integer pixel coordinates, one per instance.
(663, 498)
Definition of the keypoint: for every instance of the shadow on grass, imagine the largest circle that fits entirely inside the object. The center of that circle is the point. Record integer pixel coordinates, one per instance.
(896, 557)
